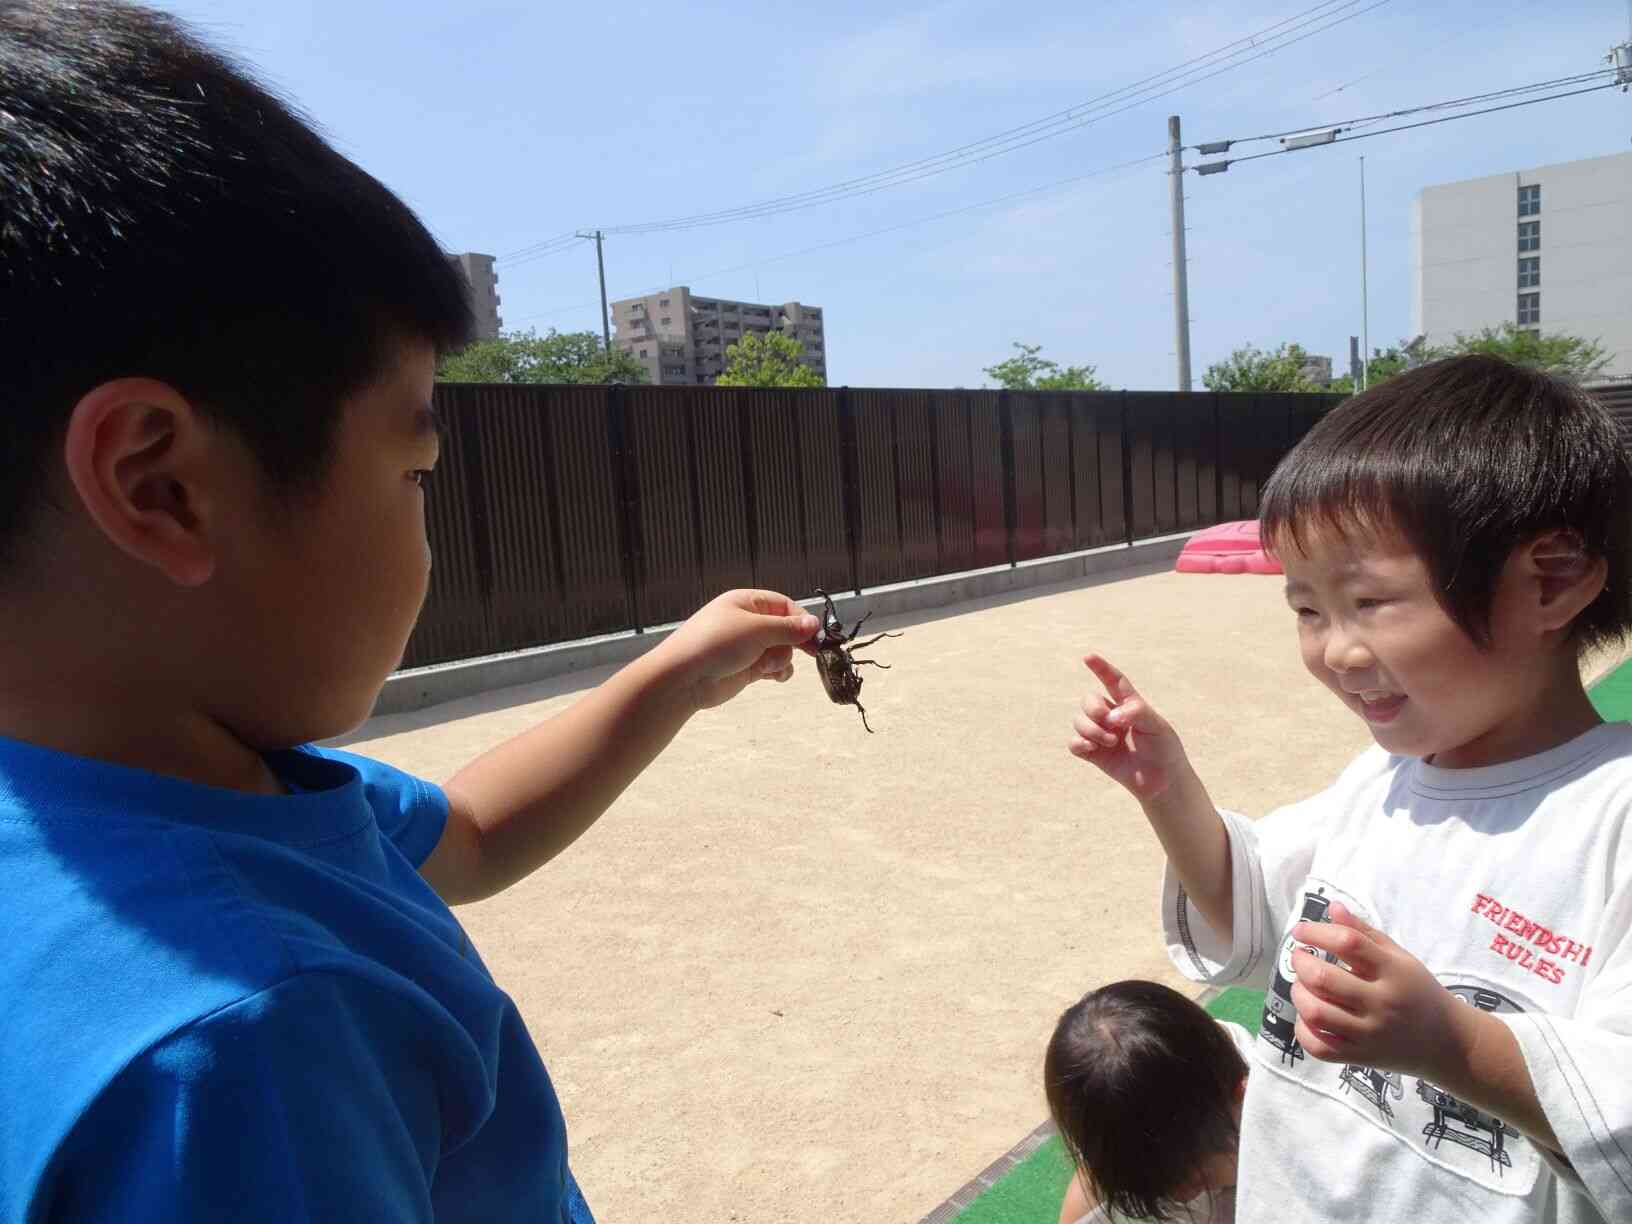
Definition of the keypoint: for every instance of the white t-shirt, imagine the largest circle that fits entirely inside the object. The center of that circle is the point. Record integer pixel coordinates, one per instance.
(1513, 885)
(1203, 1209)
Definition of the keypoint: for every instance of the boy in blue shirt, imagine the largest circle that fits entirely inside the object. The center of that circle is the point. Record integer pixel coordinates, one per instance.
(237, 990)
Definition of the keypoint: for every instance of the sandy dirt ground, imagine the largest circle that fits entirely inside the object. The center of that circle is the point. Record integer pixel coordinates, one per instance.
(803, 973)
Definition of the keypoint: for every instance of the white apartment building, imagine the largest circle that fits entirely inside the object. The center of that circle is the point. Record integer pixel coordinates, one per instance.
(1549, 248)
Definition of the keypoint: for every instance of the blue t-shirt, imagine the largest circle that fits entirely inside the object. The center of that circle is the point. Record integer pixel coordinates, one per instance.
(230, 1006)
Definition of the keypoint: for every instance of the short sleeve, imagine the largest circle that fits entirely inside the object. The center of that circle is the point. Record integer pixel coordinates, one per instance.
(410, 811)
(1268, 861)
(311, 1100)
(1577, 1066)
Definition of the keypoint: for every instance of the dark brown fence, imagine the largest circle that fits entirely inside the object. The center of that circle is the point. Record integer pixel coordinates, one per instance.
(566, 512)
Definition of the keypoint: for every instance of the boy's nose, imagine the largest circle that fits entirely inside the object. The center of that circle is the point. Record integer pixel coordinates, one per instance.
(1346, 653)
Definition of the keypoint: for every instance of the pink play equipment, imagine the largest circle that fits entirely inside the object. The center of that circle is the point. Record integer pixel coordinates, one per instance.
(1229, 548)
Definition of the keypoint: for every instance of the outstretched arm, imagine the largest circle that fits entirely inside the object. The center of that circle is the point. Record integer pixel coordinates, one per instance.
(1122, 734)
(519, 805)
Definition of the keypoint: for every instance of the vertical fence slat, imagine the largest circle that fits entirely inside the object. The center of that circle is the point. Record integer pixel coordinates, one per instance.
(1054, 439)
(915, 476)
(1029, 504)
(878, 534)
(669, 582)
(954, 481)
(986, 469)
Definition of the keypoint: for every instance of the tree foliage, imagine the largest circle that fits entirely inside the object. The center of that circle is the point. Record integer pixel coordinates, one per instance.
(526, 357)
(1026, 371)
(767, 360)
(1250, 368)
(1569, 357)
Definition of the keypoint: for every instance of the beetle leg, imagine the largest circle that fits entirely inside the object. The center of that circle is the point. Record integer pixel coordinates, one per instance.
(862, 645)
(871, 663)
(856, 628)
(863, 710)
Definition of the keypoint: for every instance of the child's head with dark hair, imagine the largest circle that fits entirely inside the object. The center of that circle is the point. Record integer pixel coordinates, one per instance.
(1466, 459)
(1145, 1088)
(168, 217)
(1454, 539)
(217, 346)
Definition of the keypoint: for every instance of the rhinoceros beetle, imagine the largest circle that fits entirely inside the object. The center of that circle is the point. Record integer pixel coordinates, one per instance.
(836, 663)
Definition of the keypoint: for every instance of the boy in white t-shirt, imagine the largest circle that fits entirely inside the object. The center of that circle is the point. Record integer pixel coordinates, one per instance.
(1446, 933)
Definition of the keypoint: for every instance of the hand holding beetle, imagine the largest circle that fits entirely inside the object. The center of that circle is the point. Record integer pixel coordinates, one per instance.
(737, 638)
(1124, 736)
(1384, 1011)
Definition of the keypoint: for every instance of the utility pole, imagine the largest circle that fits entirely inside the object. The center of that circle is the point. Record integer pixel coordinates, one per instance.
(1621, 55)
(1365, 301)
(600, 263)
(1181, 280)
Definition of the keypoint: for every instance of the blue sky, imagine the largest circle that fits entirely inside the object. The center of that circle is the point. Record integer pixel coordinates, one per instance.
(503, 124)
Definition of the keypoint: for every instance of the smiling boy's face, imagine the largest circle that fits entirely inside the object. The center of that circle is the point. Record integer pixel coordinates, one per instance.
(1372, 631)
(329, 588)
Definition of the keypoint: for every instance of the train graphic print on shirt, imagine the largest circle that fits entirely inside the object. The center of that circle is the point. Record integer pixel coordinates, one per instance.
(1482, 1146)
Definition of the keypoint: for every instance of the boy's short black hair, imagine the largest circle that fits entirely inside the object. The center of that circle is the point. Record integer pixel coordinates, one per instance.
(162, 215)
(1141, 1083)
(1467, 458)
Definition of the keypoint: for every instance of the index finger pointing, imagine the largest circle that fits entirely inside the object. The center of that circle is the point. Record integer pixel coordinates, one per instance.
(1116, 684)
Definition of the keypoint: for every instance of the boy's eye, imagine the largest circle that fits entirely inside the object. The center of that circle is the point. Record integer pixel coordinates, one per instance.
(1365, 604)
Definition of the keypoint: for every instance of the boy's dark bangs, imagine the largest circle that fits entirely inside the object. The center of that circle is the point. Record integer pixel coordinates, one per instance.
(1315, 494)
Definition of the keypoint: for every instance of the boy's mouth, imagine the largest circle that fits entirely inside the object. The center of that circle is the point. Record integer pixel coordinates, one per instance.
(1377, 706)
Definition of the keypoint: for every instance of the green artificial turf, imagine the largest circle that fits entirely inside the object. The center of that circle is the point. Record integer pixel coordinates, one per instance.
(1612, 695)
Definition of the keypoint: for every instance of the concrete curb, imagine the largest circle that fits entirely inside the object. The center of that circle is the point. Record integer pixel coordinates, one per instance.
(420, 687)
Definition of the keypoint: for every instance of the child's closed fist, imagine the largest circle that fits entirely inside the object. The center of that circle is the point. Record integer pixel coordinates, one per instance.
(1386, 1010)
(1121, 733)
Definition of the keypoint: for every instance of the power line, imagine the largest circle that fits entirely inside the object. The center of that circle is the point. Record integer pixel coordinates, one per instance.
(1048, 128)
(845, 241)
(1217, 167)
(940, 216)
(1347, 124)
(1434, 49)
(1245, 50)
(513, 264)
(546, 246)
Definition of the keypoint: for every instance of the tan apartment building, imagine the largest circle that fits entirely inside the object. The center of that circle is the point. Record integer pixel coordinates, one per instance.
(482, 291)
(681, 338)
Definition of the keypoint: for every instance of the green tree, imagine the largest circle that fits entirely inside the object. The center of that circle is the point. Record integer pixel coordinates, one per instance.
(527, 357)
(1029, 372)
(1253, 369)
(767, 360)
(1568, 357)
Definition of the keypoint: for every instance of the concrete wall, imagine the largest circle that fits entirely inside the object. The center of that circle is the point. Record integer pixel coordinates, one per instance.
(1466, 257)
(419, 687)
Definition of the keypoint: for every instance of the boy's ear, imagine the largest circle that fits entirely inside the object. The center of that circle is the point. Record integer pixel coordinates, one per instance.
(136, 452)
(1561, 578)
